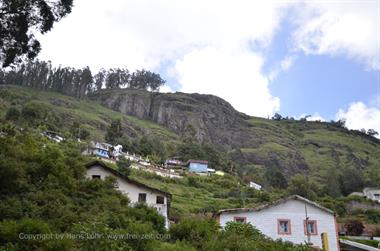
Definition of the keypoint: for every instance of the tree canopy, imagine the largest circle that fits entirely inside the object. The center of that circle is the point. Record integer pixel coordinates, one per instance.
(18, 20)
(78, 82)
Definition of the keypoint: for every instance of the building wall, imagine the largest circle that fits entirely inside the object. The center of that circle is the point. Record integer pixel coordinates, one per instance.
(132, 191)
(372, 194)
(198, 168)
(254, 185)
(294, 210)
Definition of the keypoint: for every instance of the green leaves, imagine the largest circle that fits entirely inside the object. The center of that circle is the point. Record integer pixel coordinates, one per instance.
(18, 18)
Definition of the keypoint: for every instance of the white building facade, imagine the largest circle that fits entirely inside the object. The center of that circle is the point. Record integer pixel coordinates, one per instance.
(286, 219)
(254, 185)
(372, 193)
(136, 191)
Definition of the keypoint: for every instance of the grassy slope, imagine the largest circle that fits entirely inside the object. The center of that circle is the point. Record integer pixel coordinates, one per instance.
(322, 146)
(199, 194)
(91, 115)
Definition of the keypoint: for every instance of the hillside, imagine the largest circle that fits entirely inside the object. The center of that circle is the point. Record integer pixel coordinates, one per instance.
(336, 160)
(258, 147)
(256, 144)
(63, 110)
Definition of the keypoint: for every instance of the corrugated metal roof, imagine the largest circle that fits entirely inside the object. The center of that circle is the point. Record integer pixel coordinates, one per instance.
(275, 203)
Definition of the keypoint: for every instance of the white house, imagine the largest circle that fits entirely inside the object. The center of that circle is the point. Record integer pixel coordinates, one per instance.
(137, 192)
(370, 193)
(254, 185)
(53, 136)
(293, 219)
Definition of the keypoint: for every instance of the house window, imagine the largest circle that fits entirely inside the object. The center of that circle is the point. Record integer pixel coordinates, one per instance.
(283, 226)
(310, 227)
(240, 219)
(95, 177)
(142, 197)
(160, 200)
(377, 196)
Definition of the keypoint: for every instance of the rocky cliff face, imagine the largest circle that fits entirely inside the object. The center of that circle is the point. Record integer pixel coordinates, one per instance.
(213, 119)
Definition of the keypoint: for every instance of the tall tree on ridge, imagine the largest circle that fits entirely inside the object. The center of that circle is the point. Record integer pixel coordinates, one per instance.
(17, 21)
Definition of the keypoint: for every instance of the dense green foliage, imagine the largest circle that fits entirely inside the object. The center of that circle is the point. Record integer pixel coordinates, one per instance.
(20, 19)
(47, 204)
(204, 235)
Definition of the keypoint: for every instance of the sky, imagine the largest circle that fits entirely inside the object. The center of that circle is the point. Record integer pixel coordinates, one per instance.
(296, 58)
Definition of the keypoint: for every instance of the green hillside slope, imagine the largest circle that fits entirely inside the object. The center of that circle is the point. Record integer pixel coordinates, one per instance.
(332, 160)
(62, 111)
(335, 160)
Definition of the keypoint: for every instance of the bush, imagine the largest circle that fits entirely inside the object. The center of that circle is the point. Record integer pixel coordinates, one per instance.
(244, 237)
(193, 182)
(243, 230)
(12, 114)
(373, 216)
(354, 227)
(123, 166)
(194, 231)
(177, 246)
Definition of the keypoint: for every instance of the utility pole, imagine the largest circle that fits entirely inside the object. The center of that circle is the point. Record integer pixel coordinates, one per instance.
(307, 227)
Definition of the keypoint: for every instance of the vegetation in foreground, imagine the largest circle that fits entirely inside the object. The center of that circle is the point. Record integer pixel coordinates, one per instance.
(47, 204)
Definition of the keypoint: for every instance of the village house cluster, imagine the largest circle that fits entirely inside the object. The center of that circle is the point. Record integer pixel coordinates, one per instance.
(173, 167)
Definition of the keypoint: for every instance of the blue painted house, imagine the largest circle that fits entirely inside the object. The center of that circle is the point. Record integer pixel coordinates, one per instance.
(197, 166)
(99, 149)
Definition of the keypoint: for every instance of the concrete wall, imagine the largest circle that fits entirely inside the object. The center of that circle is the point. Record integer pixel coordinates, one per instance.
(266, 221)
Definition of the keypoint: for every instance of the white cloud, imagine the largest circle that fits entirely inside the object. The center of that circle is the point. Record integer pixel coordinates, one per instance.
(230, 75)
(359, 116)
(166, 89)
(314, 117)
(283, 66)
(207, 41)
(207, 45)
(348, 28)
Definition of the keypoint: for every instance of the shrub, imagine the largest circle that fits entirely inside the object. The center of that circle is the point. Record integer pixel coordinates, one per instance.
(12, 114)
(244, 237)
(177, 246)
(194, 231)
(354, 227)
(373, 216)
